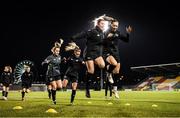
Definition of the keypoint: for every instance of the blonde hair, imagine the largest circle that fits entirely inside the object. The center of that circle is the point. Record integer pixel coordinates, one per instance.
(71, 46)
(57, 45)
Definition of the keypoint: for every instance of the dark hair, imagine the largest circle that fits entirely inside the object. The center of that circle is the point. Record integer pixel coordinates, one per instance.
(77, 49)
(114, 20)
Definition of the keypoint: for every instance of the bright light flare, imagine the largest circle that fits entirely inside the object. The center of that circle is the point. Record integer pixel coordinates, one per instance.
(106, 25)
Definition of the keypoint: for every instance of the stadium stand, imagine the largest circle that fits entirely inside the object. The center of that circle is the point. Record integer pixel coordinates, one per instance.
(159, 77)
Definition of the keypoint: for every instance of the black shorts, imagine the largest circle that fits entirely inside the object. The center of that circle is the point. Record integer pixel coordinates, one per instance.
(56, 78)
(105, 54)
(114, 54)
(92, 54)
(26, 85)
(117, 57)
(48, 83)
(6, 84)
(71, 77)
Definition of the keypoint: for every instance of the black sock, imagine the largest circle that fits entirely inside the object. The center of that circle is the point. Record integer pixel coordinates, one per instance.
(3, 93)
(89, 79)
(6, 94)
(111, 68)
(58, 89)
(110, 89)
(106, 88)
(97, 72)
(73, 95)
(116, 78)
(64, 89)
(49, 93)
(23, 94)
(87, 85)
(53, 95)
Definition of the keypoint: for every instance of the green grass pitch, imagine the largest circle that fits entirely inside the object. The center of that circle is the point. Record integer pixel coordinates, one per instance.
(130, 104)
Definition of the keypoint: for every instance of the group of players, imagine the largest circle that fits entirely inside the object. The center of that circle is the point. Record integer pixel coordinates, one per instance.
(7, 78)
(101, 52)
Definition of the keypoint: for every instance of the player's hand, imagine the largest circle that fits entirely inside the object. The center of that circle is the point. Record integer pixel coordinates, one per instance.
(110, 35)
(64, 58)
(47, 61)
(129, 29)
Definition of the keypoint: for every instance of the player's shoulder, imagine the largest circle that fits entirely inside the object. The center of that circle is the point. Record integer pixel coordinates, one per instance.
(50, 56)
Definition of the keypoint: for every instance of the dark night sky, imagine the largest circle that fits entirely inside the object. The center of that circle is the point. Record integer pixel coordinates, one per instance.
(30, 29)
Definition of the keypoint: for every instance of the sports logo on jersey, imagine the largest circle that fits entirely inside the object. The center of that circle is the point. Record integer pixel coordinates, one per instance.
(88, 58)
(116, 35)
(50, 79)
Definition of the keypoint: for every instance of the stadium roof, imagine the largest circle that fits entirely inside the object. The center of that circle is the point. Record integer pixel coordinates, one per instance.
(160, 69)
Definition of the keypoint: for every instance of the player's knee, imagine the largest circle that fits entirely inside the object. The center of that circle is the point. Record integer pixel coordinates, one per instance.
(91, 71)
(54, 87)
(101, 65)
(115, 72)
(74, 87)
(115, 64)
(59, 86)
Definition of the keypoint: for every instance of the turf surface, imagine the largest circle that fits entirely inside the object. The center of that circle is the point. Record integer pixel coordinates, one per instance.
(130, 104)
